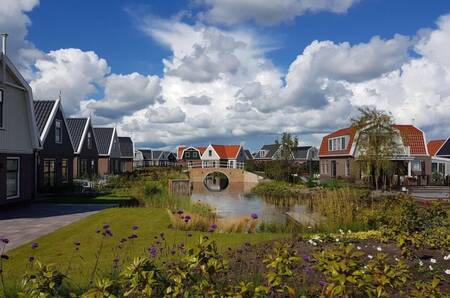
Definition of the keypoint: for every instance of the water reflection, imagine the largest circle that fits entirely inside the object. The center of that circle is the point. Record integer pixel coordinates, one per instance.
(236, 202)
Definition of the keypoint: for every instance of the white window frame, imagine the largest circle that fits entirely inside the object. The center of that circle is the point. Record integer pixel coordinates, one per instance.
(58, 121)
(417, 165)
(335, 144)
(18, 178)
(89, 140)
(2, 100)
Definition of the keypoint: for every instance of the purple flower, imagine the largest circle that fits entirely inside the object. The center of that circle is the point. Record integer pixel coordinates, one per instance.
(179, 212)
(30, 259)
(132, 236)
(188, 217)
(205, 237)
(189, 234)
(323, 283)
(123, 240)
(254, 216)
(134, 228)
(153, 251)
(105, 226)
(97, 231)
(162, 235)
(306, 258)
(34, 245)
(108, 233)
(77, 243)
(4, 240)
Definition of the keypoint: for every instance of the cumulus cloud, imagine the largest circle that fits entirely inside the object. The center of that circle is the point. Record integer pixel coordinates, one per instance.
(201, 100)
(125, 94)
(165, 115)
(267, 12)
(73, 72)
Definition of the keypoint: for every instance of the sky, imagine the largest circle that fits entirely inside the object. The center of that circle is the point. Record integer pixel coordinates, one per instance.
(235, 71)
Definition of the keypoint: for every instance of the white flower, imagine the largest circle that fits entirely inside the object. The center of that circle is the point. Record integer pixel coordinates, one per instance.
(370, 256)
(396, 259)
(447, 257)
(309, 227)
(349, 231)
(337, 239)
(420, 263)
(341, 231)
(358, 247)
(433, 261)
(379, 248)
(431, 268)
(447, 271)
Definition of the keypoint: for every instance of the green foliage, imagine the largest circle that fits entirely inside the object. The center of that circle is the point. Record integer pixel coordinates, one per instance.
(104, 288)
(427, 289)
(280, 264)
(43, 282)
(279, 189)
(343, 269)
(376, 143)
(142, 278)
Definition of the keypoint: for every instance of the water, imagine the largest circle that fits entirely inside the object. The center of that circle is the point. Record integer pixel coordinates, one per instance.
(235, 202)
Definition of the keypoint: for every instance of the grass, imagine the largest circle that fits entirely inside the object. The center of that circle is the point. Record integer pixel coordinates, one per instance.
(279, 189)
(58, 247)
(92, 199)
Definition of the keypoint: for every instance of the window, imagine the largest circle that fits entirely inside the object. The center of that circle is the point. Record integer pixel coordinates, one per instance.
(58, 131)
(1, 108)
(89, 140)
(188, 154)
(12, 177)
(194, 154)
(417, 166)
(64, 171)
(336, 144)
(210, 152)
(83, 167)
(92, 167)
(333, 168)
(347, 167)
(49, 173)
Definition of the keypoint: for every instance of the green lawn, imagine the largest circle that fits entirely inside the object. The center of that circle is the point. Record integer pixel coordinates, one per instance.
(93, 199)
(58, 247)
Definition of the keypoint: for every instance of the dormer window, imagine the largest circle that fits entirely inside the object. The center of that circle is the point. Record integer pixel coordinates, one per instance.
(58, 131)
(1, 108)
(209, 152)
(89, 140)
(339, 143)
(263, 153)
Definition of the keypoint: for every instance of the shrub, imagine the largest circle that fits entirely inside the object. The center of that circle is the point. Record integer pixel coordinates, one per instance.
(45, 281)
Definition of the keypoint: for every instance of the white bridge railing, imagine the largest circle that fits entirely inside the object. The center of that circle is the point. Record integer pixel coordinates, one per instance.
(215, 164)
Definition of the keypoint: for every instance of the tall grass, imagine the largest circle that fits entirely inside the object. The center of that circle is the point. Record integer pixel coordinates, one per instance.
(280, 189)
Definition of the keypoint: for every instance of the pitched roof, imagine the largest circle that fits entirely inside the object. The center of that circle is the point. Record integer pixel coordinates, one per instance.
(301, 152)
(349, 131)
(434, 146)
(103, 138)
(248, 155)
(181, 149)
(42, 111)
(126, 147)
(146, 154)
(270, 149)
(76, 128)
(414, 138)
(226, 151)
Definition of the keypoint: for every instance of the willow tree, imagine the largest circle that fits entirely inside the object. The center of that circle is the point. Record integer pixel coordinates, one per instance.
(288, 144)
(376, 144)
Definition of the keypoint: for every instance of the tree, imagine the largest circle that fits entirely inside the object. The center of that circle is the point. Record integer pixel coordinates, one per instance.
(288, 145)
(376, 145)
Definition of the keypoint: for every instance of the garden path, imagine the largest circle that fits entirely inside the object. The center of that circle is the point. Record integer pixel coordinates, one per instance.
(24, 224)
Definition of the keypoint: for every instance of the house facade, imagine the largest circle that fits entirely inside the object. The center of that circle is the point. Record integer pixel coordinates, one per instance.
(222, 156)
(85, 162)
(439, 151)
(187, 156)
(108, 150)
(126, 154)
(19, 137)
(412, 164)
(55, 163)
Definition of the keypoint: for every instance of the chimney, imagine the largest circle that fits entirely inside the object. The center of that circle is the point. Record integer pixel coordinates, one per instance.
(4, 36)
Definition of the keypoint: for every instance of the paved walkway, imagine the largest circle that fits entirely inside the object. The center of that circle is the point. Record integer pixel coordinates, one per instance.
(27, 223)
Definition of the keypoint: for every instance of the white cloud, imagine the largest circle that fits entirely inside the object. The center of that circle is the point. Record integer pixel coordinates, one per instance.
(125, 94)
(73, 72)
(165, 115)
(201, 100)
(267, 12)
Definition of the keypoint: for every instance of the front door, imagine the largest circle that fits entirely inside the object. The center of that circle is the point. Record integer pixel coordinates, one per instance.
(333, 168)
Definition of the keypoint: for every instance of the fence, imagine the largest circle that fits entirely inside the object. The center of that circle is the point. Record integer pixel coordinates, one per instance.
(215, 164)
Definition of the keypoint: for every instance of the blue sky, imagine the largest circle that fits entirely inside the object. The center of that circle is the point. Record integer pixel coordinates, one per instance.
(193, 72)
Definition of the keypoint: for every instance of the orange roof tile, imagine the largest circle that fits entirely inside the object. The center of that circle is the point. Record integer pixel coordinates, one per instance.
(227, 151)
(414, 138)
(434, 146)
(349, 131)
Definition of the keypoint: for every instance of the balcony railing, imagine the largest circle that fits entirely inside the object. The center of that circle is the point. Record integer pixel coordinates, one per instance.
(215, 164)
